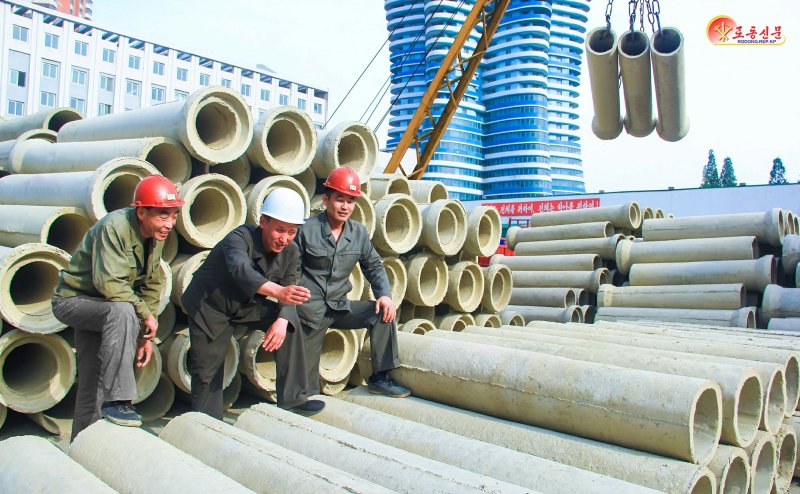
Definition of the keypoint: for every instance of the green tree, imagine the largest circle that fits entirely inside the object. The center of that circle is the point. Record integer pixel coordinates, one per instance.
(777, 176)
(727, 176)
(710, 173)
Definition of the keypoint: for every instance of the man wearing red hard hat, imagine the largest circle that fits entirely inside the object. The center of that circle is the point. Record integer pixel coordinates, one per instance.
(108, 293)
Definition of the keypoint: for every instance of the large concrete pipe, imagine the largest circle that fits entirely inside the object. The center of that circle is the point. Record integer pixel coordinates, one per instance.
(123, 457)
(215, 205)
(786, 455)
(670, 84)
(602, 57)
(214, 124)
(790, 253)
(409, 311)
(333, 388)
(170, 247)
(175, 355)
(385, 465)
(183, 268)
(284, 141)
(566, 262)
(338, 356)
(237, 170)
(488, 320)
(62, 227)
(418, 326)
(364, 213)
(511, 318)
(427, 279)
(766, 226)
(730, 296)
(427, 191)
(797, 276)
(34, 464)
(497, 284)
(570, 313)
(36, 371)
(256, 463)
(108, 188)
(388, 183)
(606, 248)
(159, 402)
(398, 278)
(166, 289)
(543, 297)
(464, 286)
(350, 144)
(698, 249)
(780, 302)
(738, 318)
(597, 229)
(53, 119)
(231, 392)
(634, 68)
(358, 282)
(166, 323)
(398, 224)
(454, 321)
(260, 191)
(28, 277)
(483, 231)
(147, 377)
(308, 180)
(731, 466)
(656, 472)
(444, 227)
(7, 147)
(681, 421)
(258, 366)
(763, 462)
(588, 280)
(621, 216)
(754, 274)
(58, 418)
(784, 324)
(588, 313)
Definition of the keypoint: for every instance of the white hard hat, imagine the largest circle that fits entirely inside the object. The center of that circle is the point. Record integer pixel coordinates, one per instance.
(285, 205)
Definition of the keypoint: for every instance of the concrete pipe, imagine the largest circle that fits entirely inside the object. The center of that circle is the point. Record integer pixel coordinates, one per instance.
(214, 124)
(120, 456)
(418, 326)
(739, 318)
(656, 472)
(763, 462)
(58, 418)
(621, 216)
(699, 249)
(7, 147)
(166, 323)
(231, 392)
(308, 180)
(484, 227)
(588, 280)
(754, 274)
(427, 191)
(543, 297)
(53, 119)
(790, 253)
(358, 282)
(588, 313)
(333, 388)
(166, 290)
(797, 276)
(780, 302)
(582, 297)
(108, 188)
(602, 57)
(338, 356)
(175, 355)
(28, 276)
(788, 222)
(786, 453)
(427, 279)
(170, 247)
(159, 402)
(670, 84)
(215, 206)
(390, 467)
(488, 320)
(597, 229)
(464, 286)
(567, 262)
(237, 170)
(62, 227)
(398, 224)
(784, 324)
(284, 141)
(731, 466)
(606, 248)
(766, 226)
(34, 464)
(147, 377)
(183, 268)
(409, 311)
(797, 224)
(388, 183)
(454, 321)
(634, 67)
(511, 318)
(364, 213)
(398, 278)
(258, 366)
(497, 284)
(259, 464)
(350, 144)
(571, 313)
(444, 227)
(731, 296)
(260, 191)
(36, 371)
(562, 395)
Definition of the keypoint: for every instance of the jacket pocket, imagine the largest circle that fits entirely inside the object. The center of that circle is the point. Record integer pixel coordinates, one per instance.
(316, 258)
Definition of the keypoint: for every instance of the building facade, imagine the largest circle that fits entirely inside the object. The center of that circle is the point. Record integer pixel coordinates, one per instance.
(515, 132)
(48, 60)
(75, 8)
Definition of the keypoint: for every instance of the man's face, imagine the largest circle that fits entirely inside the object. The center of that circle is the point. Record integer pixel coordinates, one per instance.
(339, 206)
(276, 234)
(156, 222)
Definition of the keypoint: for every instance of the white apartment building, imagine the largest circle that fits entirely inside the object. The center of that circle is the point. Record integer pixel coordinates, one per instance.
(49, 59)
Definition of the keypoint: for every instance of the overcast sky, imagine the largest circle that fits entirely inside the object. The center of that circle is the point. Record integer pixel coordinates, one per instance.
(743, 101)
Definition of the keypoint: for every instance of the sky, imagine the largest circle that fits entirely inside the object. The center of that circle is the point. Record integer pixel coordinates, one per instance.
(742, 101)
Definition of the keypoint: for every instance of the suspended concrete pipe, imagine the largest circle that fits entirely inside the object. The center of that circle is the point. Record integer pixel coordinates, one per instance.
(444, 227)
(657, 472)
(588, 280)
(350, 144)
(62, 227)
(398, 224)
(215, 205)
(786, 451)
(398, 278)
(597, 229)
(766, 226)
(427, 279)
(511, 318)
(7, 147)
(670, 83)
(543, 297)
(427, 191)
(739, 318)
(284, 141)
(790, 253)
(689, 250)
(183, 268)
(160, 401)
(53, 119)
(258, 366)
(621, 216)
(763, 462)
(58, 418)
(147, 377)
(571, 313)
(755, 275)
(784, 324)
(166, 323)
(716, 297)
(602, 57)
(371, 460)
(780, 302)
(36, 371)
(634, 67)
(108, 188)
(497, 283)
(488, 320)
(731, 466)
(237, 170)
(214, 124)
(119, 456)
(567, 262)
(259, 192)
(417, 326)
(606, 248)
(388, 183)
(28, 277)
(454, 321)
(338, 356)
(174, 353)
(34, 464)
(464, 286)
(483, 231)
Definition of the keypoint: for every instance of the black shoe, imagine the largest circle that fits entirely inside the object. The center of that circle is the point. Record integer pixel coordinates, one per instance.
(388, 387)
(310, 407)
(121, 413)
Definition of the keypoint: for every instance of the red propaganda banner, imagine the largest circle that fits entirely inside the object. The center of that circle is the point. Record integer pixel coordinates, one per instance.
(531, 207)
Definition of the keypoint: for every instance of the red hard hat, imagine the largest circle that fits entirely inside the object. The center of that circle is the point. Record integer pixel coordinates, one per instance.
(344, 180)
(156, 191)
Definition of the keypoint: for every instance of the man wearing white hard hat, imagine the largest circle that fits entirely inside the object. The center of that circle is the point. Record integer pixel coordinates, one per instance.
(238, 286)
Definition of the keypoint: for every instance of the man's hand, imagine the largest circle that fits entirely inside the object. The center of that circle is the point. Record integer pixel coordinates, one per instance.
(143, 353)
(292, 294)
(275, 336)
(389, 309)
(150, 327)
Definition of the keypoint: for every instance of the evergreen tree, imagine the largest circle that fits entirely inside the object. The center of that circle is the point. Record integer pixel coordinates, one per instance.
(778, 172)
(727, 176)
(710, 173)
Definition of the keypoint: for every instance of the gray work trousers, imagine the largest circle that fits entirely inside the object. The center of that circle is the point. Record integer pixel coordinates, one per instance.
(105, 345)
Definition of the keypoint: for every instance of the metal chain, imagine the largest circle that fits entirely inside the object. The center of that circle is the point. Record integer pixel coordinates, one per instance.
(641, 15)
(653, 11)
(609, 7)
(632, 13)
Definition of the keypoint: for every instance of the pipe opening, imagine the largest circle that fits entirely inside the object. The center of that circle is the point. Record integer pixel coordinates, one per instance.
(486, 232)
(144, 377)
(232, 391)
(775, 402)
(573, 314)
(601, 41)
(29, 368)
(633, 43)
(119, 193)
(284, 140)
(446, 226)
(32, 286)
(430, 280)
(787, 457)
(351, 151)
(703, 485)
(569, 298)
(667, 41)
(231, 365)
(763, 471)
(634, 215)
(499, 287)
(747, 415)
(792, 379)
(736, 477)
(159, 402)
(170, 160)
(460, 325)
(237, 170)
(705, 424)
(67, 231)
(61, 118)
(265, 364)
(333, 347)
(209, 211)
(398, 186)
(398, 223)
(216, 124)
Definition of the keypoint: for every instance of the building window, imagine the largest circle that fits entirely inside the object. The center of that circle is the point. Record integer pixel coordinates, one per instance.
(134, 62)
(106, 82)
(246, 89)
(16, 108)
(225, 82)
(79, 76)
(51, 40)
(205, 79)
(16, 78)
(48, 99)
(49, 70)
(109, 55)
(265, 95)
(183, 74)
(132, 87)
(158, 68)
(19, 33)
(301, 103)
(318, 108)
(103, 109)
(181, 95)
(81, 48)
(78, 104)
(283, 99)
(157, 93)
